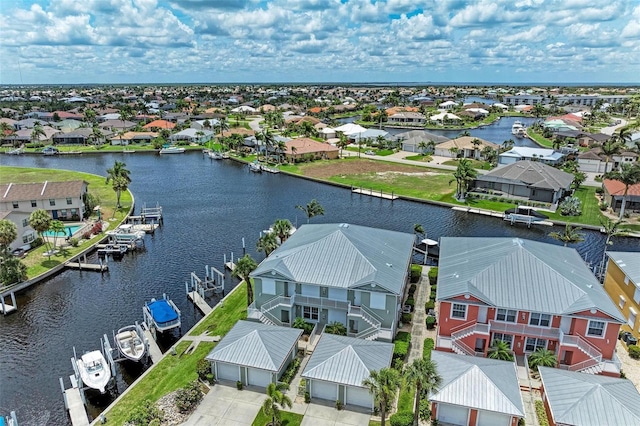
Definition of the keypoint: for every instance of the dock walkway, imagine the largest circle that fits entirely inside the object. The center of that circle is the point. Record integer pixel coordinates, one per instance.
(372, 193)
(75, 405)
(199, 302)
(154, 350)
(99, 267)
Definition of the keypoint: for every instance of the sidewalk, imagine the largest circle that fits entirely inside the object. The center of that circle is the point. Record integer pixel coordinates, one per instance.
(418, 326)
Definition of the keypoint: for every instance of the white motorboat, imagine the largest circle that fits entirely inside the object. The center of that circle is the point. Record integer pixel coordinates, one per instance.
(130, 342)
(94, 371)
(518, 129)
(215, 155)
(126, 233)
(172, 150)
(255, 167)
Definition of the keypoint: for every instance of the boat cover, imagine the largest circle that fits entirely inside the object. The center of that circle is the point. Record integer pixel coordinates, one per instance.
(162, 312)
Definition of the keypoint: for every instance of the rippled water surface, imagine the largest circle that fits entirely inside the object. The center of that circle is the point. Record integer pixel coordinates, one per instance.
(209, 207)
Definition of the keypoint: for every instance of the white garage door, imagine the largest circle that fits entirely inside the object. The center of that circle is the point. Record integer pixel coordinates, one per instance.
(452, 414)
(359, 396)
(259, 377)
(490, 418)
(324, 390)
(228, 372)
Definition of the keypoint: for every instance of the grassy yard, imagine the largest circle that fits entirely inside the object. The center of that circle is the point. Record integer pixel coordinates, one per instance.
(541, 140)
(420, 157)
(406, 398)
(35, 261)
(591, 213)
(482, 165)
(287, 419)
(173, 372)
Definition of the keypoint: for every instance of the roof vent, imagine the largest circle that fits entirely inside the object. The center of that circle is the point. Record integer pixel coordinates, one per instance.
(590, 285)
(389, 265)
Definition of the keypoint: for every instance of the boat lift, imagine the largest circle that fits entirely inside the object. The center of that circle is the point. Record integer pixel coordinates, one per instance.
(115, 355)
(152, 214)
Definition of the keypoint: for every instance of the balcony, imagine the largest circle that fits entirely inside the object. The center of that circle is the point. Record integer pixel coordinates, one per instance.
(320, 302)
(524, 330)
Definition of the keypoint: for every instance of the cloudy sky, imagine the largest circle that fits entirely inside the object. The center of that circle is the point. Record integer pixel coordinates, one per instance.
(219, 41)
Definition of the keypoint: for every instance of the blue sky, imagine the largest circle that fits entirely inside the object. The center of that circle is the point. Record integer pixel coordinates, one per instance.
(220, 41)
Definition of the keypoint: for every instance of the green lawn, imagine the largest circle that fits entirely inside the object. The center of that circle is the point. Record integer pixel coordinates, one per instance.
(174, 372)
(591, 213)
(406, 398)
(482, 165)
(420, 157)
(287, 419)
(35, 261)
(541, 140)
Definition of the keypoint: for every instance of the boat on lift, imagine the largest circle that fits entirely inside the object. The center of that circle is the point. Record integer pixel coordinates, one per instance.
(162, 314)
(130, 342)
(94, 371)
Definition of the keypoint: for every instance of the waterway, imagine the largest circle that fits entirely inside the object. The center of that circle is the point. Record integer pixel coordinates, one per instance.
(209, 206)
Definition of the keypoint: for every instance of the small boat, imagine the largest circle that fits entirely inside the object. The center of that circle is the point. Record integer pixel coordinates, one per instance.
(50, 150)
(225, 155)
(16, 151)
(94, 371)
(215, 155)
(518, 129)
(126, 233)
(255, 167)
(527, 215)
(162, 314)
(128, 151)
(172, 150)
(130, 342)
(10, 420)
(114, 250)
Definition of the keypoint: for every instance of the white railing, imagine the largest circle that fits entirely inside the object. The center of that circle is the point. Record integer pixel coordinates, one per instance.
(581, 343)
(525, 329)
(273, 319)
(276, 301)
(314, 333)
(253, 312)
(591, 362)
(463, 326)
(366, 314)
(464, 348)
(321, 302)
(472, 329)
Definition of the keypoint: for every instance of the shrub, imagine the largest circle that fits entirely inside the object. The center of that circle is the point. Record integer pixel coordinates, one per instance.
(404, 418)
(400, 349)
(86, 235)
(425, 410)
(634, 351)
(430, 322)
(291, 371)
(188, 397)
(73, 242)
(410, 301)
(97, 228)
(37, 242)
(571, 206)
(239, 385)
(407, 318)
(403, 336)
(412, 290)
(416, 271)
(307, 397)
(203, 367)
(398, 364)
(339, 405)
(431, 304)
(145, 414)
(541, 413)
(603, 205)
(300, 323)
(433, 275)
(429, 344)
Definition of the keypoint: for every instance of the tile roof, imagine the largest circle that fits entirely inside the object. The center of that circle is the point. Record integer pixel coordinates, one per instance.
(257, 345)
(615, 187)
(520, 274)
(480, 383)
(343, 256)
(347, 360)
(161, 124)
(40, 191)
(581, 399)
(628, 262)
(307, 145)
(531, 173)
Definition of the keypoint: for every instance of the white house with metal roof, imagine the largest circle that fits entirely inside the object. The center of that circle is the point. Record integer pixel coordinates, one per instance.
(520, 153)
(575, 399)
(254, 353)
(324, 273)
(340, 364)
(476, 391)
(529, 294)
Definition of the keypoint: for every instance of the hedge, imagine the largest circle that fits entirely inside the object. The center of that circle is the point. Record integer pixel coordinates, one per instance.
(429, 344)
(433, 275)
(404, 418)
(400, 349)
(541, 414)
(403, 336)
(416, 271)
(634, 351)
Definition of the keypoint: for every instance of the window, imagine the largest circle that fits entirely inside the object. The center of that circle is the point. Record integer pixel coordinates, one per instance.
(34, 203)
(52, 202)
(626, 280)
(508, 338)
(632, 318)
(69, 201)
(542, 320)
(534, 344)
(506, 315)
(310, 312)
(595, 328)
(378, 301)
(622, 302)
(25, 223)
(636, 296)
(458, 311)
(15, 205)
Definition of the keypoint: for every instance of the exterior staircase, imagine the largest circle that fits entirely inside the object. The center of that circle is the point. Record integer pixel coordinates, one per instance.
(594, 364)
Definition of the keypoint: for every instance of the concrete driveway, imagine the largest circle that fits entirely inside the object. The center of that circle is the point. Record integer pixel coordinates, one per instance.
(226, 405)
(318, 414)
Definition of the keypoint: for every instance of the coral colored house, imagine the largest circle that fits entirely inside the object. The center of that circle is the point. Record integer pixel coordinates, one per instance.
(529, 294)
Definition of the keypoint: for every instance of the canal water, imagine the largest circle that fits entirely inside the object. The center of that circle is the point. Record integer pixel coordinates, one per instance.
(209, 206)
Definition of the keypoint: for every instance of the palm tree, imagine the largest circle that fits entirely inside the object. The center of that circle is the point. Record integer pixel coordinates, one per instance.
(611, 230)
(282, 229)
(507, 145)
(476, 144)
(281, 148)
(268, 139)
(570, 235)
(422, 145)
(119, 176)
(463, 176)
(623, 135)
(294, 151)
(342, 143)
(539, 110)
(500, 350)
(418, 229)
(423, 374)
(97, 135)
(276, 400)
(267, 243)
(6, 131)
(454, 150)
(542, 358)
(336, 327)
(312, 209)
(628, 175)
(8, 233)
(36, 132)
(610, 147)
(57, 227)
(383, 384)
(244, 267)
(40, 220)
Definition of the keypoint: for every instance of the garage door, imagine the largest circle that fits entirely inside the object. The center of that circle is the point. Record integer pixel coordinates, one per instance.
(324, 390)
(490, 418)
(259, 377)
(452, 414)
(360, 397)
(228, 372)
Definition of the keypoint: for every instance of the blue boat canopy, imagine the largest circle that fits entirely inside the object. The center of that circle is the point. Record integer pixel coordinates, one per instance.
(162, 311)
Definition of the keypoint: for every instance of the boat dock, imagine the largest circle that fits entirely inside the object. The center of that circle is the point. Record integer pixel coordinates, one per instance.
(102, 266)
(196, 290)
(370, 192)
(478, 211)
(74, 402)
(154, 350)
(7, 308)
(528, 220)
(151, 214)
(270, 169)
(199, 302)
(139, 223)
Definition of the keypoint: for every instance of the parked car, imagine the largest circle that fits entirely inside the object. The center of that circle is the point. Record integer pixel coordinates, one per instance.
(369, 152)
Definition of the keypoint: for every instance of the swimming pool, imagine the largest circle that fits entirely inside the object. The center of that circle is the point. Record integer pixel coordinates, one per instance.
(68, 230)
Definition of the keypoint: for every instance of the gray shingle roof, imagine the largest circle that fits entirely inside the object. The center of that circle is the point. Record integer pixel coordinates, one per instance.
(531, 173)
(628, 262)
(253, 344)
(580, 399)
(347, 360)
(520, 274)
(40, 191)
(345, 256)
(481, 383)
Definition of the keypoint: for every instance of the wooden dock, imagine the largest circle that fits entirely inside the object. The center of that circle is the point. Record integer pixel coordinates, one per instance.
(154, 350)
(230, 266)
(478, 211)
(199, 302)
(372, 193)
(98, 267)
(74, 403)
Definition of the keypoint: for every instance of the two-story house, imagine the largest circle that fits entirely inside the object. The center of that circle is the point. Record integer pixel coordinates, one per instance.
(622, 283)
(529, 294)
(325, 273)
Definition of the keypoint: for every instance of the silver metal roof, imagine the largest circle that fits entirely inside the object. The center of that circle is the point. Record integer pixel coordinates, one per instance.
(580, 399)
(628, 262)
(253, 344)
(347, 360)
(343, 255)
(480, 383)
(520, 274)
